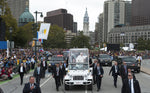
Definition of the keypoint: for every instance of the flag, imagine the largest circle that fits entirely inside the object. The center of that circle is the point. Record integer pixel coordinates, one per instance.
(44, 31)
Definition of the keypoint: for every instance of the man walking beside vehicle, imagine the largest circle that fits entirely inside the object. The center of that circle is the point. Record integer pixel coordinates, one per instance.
(56, 76)
(115, 72)
(99, 75)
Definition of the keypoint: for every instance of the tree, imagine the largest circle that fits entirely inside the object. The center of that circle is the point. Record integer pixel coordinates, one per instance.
(23, 35)
(80, 41)
(141, 44)
(8, 19)
(56, 38)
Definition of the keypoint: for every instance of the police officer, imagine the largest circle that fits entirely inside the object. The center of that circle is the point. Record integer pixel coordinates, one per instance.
(115, 72)
(99, 75)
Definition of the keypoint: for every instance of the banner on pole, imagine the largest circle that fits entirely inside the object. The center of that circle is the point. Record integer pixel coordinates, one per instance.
(44, 31)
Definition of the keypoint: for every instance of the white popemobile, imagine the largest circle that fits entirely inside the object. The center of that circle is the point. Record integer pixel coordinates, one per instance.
(78, 71)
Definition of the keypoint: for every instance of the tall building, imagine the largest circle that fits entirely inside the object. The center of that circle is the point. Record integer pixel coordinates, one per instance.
(99, 29)
(75, 27)
(92, 38)
(86, 24)
(115, 13)
(17, 7)
(61, 18)
(140, 12)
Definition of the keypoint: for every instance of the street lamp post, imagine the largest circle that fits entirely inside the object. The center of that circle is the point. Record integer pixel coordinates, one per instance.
(10, 30)
(36, 12)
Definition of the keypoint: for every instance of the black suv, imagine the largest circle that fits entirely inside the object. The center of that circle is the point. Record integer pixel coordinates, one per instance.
(131, 62)
(104, 60)
(55, 59)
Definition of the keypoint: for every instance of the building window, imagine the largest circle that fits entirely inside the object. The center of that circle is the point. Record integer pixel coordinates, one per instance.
(25, 20)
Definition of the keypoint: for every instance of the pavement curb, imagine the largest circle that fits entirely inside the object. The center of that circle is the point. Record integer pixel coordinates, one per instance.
(145, 70)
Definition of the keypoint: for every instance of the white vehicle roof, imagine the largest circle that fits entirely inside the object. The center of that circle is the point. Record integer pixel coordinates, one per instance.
(79, 55)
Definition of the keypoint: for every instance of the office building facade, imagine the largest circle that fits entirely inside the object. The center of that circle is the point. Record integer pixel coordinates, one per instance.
(115, 13)
(61, 18)
(17, 7)
(140, 12)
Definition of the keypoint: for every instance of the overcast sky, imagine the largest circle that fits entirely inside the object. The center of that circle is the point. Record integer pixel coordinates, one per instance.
(75, 7)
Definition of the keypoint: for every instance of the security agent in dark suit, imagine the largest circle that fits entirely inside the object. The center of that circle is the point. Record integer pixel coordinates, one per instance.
(31, 87)
(38, 73)
(99, 75)
(123, 71)
(129, 71)
(62, 72)
(21, 72)
(56, 75)
(94, 71)
(131, 85)
(43, 67)
(115, 72)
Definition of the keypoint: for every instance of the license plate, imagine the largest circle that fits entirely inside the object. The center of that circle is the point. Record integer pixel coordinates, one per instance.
(78, 82)
(105, 63)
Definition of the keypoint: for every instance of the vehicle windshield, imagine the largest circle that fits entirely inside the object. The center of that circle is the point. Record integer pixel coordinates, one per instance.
(129, 59)
(104, 56)
(57, 58)
(78, 66)
(79, 56)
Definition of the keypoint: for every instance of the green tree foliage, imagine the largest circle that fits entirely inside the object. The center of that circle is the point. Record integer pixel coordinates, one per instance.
(141, 44)
(56, 38)
(23, 35)
(8, 19)
(80, 41)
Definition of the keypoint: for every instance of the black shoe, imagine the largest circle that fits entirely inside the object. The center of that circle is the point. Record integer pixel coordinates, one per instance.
(97, 90)
(57, 89)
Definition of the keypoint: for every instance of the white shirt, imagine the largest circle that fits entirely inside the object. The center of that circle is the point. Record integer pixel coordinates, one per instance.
(115, 69)
(80, 59)
(21, 69)
(132, 86)
(43, 63)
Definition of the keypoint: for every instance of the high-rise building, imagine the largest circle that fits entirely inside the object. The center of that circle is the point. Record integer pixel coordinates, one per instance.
(75, 27)
(17, 7)
(92, 38)
(61, 18)
(115, 13)
(86, 24)
(140, 12)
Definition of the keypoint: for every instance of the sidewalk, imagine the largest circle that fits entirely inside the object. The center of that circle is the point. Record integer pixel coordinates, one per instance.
(145, 68)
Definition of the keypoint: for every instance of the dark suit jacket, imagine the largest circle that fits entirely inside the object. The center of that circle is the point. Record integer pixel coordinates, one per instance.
(101, 70)
(24, 70)
(55, 72)
(62, 71)
(126, 89)
(27, 89)
(36, 72)
(45, 65)
(113, 70)
(122, 72)
(94, 68)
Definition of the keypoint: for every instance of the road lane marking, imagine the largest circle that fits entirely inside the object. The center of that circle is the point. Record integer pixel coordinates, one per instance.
(86, 91)
(46, 81)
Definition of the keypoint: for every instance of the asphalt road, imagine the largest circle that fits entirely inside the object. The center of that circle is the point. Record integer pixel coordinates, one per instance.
(48, 84)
